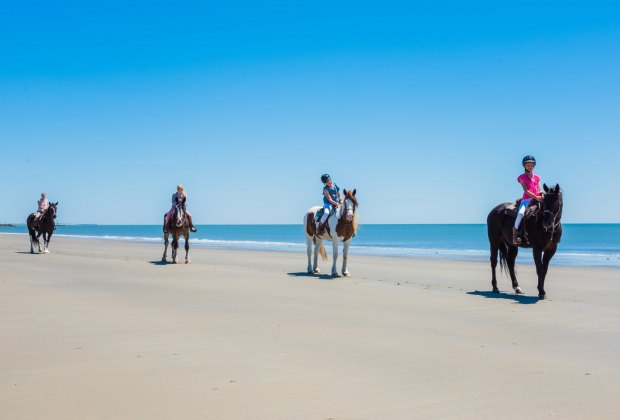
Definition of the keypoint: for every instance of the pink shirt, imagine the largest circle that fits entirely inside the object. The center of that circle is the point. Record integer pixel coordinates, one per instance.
(533, 185)
(43, 205)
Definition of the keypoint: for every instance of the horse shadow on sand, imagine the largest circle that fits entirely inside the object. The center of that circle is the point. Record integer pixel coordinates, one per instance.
(310, 275)
(522, 299)
(160, 262)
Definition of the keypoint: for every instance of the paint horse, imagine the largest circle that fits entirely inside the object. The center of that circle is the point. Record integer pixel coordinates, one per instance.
(341, 227)
(44, 225)
(542, 232)
(177, 226)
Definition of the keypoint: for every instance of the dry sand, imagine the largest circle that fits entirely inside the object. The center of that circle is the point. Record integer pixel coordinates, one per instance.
(98, 330)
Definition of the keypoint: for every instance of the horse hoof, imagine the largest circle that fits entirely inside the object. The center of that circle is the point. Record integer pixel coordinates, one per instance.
(46, 252)
(335, 275)
(187, 261)
(346, 274)
(518, 291)
(316, 271)
(496, 290)
(542, 296)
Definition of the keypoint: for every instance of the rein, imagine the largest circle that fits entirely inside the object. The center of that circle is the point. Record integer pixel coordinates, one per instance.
(554, 225)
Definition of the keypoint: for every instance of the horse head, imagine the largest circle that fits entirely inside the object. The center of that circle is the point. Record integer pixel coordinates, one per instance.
(350, 205)
(551, 207)
(51, 211)
(179, 213)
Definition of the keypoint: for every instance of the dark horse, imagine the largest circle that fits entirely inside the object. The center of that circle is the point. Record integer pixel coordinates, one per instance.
(542, 232)
(45, 226)
(177, 226)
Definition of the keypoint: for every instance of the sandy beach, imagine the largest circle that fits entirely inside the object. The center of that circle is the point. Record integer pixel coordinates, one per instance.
(98, 329)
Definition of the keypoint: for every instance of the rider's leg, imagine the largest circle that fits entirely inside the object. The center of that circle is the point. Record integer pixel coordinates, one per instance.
(520, 215)
(191, 223)
(168, 216)
(326, 210)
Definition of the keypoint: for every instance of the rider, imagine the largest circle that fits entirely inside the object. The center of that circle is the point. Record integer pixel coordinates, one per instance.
(42, 206)
(531, 191)
(177, 198)
(331, 198)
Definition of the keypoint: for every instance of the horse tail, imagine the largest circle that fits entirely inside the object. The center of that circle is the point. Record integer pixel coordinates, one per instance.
(322, 251)
(503, 253)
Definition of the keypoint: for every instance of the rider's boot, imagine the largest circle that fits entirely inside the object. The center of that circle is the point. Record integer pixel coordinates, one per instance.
(516, 241)
(191, 225)
(320, 229)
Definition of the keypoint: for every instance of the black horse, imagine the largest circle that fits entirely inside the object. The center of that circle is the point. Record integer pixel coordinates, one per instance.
(178, 225)
(45, 226)
(542, 232)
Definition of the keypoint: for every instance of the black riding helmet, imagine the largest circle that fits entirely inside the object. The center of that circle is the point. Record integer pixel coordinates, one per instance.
(528, 159)
(325, 178)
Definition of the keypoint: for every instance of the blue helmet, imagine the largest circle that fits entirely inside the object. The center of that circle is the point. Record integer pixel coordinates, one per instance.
(325, 178)
(528, 159)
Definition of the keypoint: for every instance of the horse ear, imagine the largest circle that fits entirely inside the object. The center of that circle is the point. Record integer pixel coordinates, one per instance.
(545, 188)
(354, 191)
(557, 188)
(345, 191)
(56, 203)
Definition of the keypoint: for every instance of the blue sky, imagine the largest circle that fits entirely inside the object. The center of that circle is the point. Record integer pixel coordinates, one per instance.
(425, 107)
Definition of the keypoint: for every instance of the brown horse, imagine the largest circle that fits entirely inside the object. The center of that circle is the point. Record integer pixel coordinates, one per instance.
(543, 231)
(341, 227)
(177, 226)
(45, 226)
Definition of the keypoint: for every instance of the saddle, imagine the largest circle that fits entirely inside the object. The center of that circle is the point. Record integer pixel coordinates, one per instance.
(530, 211)
(36, 218)
(321, 212)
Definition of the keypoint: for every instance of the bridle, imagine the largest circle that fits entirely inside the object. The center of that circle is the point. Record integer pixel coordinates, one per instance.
(180, 214)
(49, 213)
(556, 222)
(345, 211)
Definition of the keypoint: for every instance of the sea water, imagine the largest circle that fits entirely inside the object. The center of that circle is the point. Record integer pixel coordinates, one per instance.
(582, 244)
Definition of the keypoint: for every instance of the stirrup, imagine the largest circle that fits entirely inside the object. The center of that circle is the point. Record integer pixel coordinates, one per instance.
(193, 229)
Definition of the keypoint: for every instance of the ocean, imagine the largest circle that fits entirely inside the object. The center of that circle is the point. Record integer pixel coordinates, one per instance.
(582, 244)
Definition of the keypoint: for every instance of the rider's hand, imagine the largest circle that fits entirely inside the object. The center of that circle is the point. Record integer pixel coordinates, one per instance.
(539, 198)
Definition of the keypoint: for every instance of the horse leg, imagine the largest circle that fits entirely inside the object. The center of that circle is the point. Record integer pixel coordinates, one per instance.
(335, 255)
(46, 242)
(31, 235)
(165, 256)
(38, 241)
(175, 247)
(309, 253)
(494, 252)
(510, 259)
(187, 260)
(549, 253)
(345, 254)
(317, 246)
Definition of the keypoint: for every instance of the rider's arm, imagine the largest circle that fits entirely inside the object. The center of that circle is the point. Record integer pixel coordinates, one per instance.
(339, 197)
(329, 198)
(528, 192)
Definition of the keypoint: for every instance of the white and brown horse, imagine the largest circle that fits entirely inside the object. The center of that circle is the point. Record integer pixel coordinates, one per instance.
(341, 227)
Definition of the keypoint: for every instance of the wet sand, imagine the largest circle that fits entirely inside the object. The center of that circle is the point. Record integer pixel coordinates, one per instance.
(100, 329)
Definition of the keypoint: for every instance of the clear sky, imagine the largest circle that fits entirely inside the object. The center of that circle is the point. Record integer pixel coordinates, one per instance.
(425, 107)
